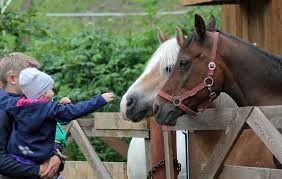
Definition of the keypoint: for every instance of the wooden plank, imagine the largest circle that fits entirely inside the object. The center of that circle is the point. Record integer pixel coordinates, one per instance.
(224, 146)
(113, 120)
(270, 136)
(117, 133)
(168, 153)
(207, 2)
(157, 149)
(239, 172)
(82, 170)
(88, 151)
(117, 144)
(218, 119)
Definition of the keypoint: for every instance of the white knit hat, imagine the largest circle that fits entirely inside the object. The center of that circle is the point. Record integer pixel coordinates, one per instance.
(34, 83)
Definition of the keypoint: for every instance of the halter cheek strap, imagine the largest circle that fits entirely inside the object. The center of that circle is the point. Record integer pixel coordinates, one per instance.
(208, 82)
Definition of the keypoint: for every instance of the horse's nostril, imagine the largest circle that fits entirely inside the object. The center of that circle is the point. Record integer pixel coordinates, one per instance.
(129, 102)
(156, 109)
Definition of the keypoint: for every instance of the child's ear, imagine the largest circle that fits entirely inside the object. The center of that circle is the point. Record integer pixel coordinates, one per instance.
(12, 79)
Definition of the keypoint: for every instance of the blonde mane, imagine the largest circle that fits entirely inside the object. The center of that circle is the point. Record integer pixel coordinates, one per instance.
(164, 56)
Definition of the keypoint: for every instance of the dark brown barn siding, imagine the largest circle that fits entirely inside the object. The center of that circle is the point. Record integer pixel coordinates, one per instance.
(207, 2)
(257, 21)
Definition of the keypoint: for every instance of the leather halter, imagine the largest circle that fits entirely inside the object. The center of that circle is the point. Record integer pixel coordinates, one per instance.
(208, 82)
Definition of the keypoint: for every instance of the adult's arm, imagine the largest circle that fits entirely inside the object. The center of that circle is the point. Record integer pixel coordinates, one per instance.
(12, 168)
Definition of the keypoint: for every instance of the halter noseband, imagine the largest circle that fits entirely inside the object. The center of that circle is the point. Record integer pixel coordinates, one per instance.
(208, 82)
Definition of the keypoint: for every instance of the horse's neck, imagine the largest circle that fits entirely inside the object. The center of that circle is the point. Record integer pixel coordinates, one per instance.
(252, 76)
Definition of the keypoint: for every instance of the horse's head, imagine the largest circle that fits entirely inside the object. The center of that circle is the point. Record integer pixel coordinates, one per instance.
(137, 102)
(196, 78)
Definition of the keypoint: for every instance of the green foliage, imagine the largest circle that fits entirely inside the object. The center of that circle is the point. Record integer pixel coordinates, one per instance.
(93, 60)
(15, 30)
(89, 63)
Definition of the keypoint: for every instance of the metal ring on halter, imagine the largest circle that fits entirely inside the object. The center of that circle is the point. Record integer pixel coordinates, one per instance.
(206, 81)
(176, 100)
(212, 95)
(212, 65)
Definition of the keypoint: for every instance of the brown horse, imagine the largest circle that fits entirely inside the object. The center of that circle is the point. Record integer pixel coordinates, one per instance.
(210, 62)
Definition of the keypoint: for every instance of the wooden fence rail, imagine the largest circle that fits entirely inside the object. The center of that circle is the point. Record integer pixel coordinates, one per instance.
(264, 121)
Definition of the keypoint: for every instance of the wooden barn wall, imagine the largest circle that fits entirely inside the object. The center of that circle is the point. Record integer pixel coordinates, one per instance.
(256, 21)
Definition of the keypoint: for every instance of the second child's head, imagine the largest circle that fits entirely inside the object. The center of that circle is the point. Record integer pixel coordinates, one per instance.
(36, 84)
(10, 68)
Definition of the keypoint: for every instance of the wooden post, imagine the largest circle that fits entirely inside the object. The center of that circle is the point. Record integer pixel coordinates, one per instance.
(157, 149)
(88, 151)
(168, 153)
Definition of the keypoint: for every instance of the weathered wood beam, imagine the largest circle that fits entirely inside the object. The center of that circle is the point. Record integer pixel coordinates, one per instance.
(117, 144)
(116, 133)
(88, 151)
(225, 144)
(82, 170)
(269, 135)
(218, 119)
(114, 120)
(240, 172)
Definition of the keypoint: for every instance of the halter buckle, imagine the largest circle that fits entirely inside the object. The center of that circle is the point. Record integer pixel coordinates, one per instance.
(176, 100)
(208, 81)
(212, 66)
(212, 95)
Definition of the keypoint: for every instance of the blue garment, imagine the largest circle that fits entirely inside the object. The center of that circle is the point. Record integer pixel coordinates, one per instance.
(34, 128)
(8, 164)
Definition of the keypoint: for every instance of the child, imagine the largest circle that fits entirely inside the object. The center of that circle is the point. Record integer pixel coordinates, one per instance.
(33, 135)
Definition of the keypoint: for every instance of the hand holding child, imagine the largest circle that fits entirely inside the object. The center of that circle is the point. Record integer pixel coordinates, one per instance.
(108, 96)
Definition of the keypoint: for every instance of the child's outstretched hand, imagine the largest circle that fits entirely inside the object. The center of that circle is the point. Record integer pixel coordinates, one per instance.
(65, 100)
(108, 96)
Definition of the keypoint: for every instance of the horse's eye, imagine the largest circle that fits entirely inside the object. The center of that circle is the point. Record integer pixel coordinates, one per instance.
(184, 63)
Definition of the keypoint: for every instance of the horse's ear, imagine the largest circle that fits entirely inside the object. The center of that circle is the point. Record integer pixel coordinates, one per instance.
(200, 27)
(161, 36)
(179, 36)
(211, 24)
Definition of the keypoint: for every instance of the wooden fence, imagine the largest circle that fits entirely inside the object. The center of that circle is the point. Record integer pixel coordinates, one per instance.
(109, 127)
(264, 121)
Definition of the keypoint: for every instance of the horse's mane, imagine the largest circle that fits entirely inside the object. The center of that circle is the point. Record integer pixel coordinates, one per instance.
(265, 53)
(261, 51)
(165, 55)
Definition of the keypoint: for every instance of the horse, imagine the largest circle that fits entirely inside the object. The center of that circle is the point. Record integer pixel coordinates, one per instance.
(139, 99)
(137, 103)
(211, 62)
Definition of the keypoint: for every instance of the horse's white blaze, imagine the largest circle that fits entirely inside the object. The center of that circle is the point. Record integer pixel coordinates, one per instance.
(164, 56)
